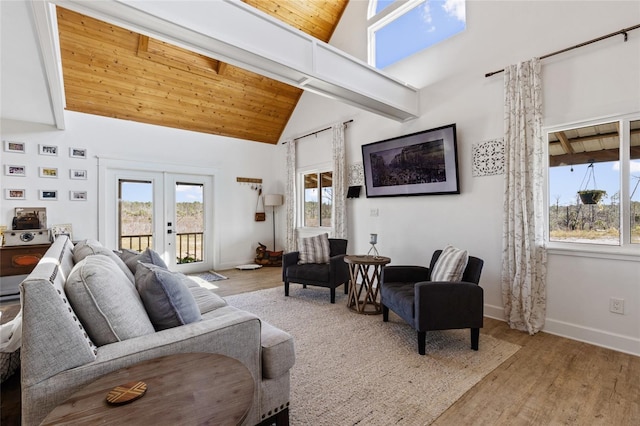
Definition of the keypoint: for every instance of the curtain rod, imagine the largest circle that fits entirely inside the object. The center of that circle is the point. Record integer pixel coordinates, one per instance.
(620, 32)
(318, 131)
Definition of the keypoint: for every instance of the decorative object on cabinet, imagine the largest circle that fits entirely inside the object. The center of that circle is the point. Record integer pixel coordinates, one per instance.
(13, 170)
(62, 229)
(13, 146)
(422, 163)
(47, 150)
(29, 218)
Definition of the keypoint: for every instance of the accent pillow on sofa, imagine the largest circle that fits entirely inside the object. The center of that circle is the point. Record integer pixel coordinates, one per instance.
(147, 256)
(90, 247)
(105, 301)
(314, 249)
(450, 265)
(166, 297)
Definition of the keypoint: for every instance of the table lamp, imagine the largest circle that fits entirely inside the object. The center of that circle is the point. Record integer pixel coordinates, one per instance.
(373, 240)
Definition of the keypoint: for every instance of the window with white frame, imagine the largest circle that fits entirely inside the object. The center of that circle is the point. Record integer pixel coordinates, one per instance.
(317, 199)
(399, 28)
(594, 182)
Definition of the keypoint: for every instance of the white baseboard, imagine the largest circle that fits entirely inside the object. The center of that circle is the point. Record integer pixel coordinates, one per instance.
(605, 339)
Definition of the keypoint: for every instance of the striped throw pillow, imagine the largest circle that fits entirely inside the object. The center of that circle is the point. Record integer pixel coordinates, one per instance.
(450, 265)
(314, 249)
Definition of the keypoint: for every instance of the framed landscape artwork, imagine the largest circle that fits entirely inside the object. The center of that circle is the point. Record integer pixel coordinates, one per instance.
(422, 163)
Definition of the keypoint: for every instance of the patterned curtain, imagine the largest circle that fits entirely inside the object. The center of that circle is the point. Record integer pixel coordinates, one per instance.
(339, 206)
(290, 198)
(523, 245)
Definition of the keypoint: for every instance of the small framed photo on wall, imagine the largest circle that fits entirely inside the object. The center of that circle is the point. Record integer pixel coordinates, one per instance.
(48, 194)
(48, 172)
(12, 146)
(77, 153)
(78, 195)
(12, 170)
(77, 174)
(47, 149)
(14, 194)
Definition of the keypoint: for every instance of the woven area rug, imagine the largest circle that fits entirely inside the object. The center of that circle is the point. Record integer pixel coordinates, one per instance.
(209, 276)
(354, 369)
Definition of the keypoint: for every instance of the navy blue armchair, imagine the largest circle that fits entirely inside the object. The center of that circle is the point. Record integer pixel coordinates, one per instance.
(331, 275)
(425, 305)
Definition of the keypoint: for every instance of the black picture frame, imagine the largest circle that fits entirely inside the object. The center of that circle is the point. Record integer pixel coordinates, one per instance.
(422, 163)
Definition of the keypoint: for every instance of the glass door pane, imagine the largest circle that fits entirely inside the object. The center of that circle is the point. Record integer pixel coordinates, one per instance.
(135, 214)
(634, 184)
(190, 222)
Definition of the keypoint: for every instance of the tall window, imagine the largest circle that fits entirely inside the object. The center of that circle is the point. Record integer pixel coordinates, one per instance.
(318, 199)
(398, 29)
(594, 180)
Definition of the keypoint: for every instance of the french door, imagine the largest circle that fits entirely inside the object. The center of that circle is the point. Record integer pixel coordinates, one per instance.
(168, 212)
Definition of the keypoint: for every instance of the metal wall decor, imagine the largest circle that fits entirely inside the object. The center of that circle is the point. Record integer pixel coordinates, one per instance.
(488, 158)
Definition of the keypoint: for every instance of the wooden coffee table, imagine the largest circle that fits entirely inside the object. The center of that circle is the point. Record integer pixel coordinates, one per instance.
(188, 389)
(369, 270)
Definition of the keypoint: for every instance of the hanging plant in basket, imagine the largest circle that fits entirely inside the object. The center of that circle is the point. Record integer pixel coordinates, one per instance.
(591, 196)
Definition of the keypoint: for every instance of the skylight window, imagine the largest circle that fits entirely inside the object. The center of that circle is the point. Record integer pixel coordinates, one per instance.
(398, 29)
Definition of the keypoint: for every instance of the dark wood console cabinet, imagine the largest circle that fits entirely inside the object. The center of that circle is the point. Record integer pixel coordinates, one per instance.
(20, 260)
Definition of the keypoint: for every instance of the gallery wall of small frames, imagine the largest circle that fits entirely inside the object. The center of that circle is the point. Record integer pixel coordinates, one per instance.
(13, 167)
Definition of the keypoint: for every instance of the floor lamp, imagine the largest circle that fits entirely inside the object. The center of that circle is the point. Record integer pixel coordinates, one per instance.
(273, 201)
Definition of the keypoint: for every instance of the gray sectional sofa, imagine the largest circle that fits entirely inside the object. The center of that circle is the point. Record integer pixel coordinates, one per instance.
(83, 318)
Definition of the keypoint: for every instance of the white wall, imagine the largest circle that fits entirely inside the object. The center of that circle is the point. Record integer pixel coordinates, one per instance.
(598, 80)
(236, 234)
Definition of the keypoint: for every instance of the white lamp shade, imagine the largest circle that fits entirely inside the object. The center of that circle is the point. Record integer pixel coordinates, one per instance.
(271, 200)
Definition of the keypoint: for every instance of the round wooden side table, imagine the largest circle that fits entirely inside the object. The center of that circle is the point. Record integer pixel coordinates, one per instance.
(191, 388)
(363, 298)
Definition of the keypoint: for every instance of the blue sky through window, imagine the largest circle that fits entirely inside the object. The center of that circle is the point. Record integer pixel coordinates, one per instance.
(143, 192)
(564, 184)
(425, 25)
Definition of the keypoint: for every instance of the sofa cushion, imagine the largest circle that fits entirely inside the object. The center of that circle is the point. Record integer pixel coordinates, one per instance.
(314, 249)
(450, 265)
(147, 256)
(278, 354)
(106, 302)
(206, 300)
(92, 247)
(166, 297)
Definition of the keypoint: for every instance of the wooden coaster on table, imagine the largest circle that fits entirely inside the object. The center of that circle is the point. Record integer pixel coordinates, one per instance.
(124, 394)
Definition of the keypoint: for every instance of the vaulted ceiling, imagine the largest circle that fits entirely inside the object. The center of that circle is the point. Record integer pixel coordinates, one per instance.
(114, 72)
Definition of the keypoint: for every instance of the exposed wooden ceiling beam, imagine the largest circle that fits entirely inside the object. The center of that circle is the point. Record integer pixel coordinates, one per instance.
(564, 141)
(272, 49)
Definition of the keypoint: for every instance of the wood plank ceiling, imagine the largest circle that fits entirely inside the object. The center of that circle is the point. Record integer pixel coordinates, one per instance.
(114, 72)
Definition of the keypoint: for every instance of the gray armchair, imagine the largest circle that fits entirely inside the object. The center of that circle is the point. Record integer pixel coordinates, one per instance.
(331, 275)
(425, 305)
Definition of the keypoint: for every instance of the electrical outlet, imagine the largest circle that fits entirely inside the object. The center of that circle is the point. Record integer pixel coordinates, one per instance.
(616, 305)
(374, 213)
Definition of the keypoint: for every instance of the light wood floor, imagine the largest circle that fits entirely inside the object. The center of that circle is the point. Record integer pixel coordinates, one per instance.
(550, 381)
